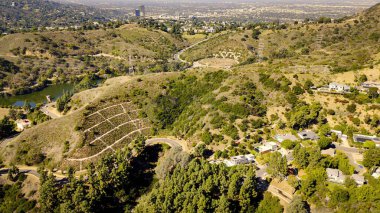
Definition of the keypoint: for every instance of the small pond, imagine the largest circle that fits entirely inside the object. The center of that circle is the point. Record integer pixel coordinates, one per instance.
(37, 97)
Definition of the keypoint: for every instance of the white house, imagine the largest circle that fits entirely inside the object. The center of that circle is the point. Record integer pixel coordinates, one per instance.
(363, 138)
(339, 87)
(23, 124)
(335, 175)
(267, 147)
(371, 84)
(376, 174)
(281, 137)
(308, 135)
(359, 179)
(241, 159)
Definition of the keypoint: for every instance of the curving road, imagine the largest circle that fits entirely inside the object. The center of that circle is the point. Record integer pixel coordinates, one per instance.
(170, 142)
(28, 171)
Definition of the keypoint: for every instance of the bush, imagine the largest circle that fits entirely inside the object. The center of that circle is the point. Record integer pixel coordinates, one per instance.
(351, 108)
(288, 144)
(324, 142)
(369, 145)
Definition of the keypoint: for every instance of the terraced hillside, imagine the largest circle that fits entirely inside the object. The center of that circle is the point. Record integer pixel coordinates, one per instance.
(234, 46)
(66, 55)
(108, 128)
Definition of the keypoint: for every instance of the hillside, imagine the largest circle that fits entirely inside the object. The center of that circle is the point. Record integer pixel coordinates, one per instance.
(67, 55)
(349, 45)
(269, 118)
(16, 14)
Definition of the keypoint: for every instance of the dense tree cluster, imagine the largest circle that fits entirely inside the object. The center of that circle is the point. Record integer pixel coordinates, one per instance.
(12, 199)
(113, 184)
(7, 127)
(181, 93)
(204, 187)
(304, 115)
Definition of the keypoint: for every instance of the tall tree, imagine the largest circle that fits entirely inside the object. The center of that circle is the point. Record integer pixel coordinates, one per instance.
(270, 204)
(277, 165)
(297, 206)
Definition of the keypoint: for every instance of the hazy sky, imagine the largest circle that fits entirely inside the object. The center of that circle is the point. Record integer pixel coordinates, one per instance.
(234, 1)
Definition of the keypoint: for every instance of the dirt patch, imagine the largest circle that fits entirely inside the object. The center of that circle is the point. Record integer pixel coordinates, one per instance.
(3, 112)
(30, 187)
(219, 63)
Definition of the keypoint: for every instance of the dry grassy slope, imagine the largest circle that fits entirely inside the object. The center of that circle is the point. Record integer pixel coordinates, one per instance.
(344, 46)
(49, 137)
(58, 53)
(98, 40)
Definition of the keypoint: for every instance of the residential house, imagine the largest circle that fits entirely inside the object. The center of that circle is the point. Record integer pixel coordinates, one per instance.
(267, 147)
(339, 134)
(371, 84)
(359, 179)
(308, 135)
(241, 159)
(363, 138)
(23, 124)
(281, 137)
(376, 173)
(339, 87)
(335, 175)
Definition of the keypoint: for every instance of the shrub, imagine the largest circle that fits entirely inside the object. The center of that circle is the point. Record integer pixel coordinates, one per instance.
(288, 144)
(351, 108)
(324, 142)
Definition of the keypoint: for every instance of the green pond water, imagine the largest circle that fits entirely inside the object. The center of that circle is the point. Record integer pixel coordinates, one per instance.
(55, 91)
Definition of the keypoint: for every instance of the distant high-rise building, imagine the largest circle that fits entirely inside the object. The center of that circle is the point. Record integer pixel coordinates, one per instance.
(137, 13)
(142, 10)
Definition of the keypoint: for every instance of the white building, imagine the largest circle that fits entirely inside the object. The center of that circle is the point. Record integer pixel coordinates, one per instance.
(339, 134)
(335, 175)
(363, 138)
(23, 124)
(241, 159)
(267, 147)
(376, 174)
(308, 135)
(281, 137)
(371, 84)
(359, 179)
(339, 87)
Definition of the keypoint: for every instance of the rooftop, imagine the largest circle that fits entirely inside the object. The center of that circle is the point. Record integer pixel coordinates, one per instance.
(363, 138)
(308, 135)
(282, 137)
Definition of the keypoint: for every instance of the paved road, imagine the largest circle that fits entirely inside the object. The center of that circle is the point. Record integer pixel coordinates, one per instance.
(28, 171)
(261, 172)
(170, 142)
(349, 151)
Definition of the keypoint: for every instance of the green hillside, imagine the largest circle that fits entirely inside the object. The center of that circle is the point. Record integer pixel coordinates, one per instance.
(67, 55)
(201, 120)
(28, 14)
